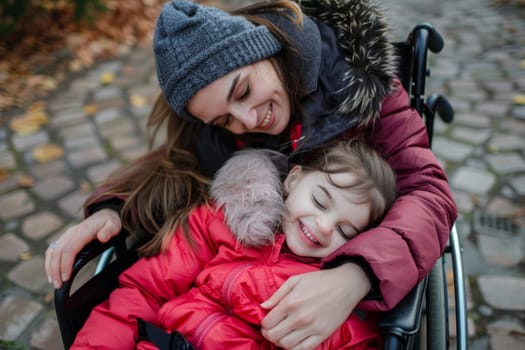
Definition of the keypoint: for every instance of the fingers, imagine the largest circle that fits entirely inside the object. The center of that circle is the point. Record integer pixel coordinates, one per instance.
(60, 256)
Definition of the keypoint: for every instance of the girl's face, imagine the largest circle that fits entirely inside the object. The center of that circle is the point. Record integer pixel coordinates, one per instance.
(321, 217)
(249, 99)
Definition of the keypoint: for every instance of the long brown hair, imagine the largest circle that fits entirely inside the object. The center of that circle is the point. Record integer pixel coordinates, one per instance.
(166, 184)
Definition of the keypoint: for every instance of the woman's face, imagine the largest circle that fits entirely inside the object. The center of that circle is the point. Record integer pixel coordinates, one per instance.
(321, 217)
(249, 99)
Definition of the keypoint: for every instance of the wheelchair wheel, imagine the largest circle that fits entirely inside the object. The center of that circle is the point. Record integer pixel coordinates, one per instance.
(434, 332)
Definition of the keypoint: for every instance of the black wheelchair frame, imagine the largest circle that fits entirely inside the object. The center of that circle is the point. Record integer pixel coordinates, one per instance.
(401, 328)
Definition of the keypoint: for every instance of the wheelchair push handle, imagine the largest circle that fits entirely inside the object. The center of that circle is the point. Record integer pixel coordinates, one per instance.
(435, 42)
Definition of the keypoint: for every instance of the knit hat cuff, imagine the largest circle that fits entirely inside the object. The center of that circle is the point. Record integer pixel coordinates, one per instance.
(216, 61)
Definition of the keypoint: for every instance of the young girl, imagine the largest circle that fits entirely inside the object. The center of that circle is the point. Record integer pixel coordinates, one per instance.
(289, 78)
(210, 286)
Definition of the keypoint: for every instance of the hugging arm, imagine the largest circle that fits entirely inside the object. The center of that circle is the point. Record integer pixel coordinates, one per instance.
(413, 234)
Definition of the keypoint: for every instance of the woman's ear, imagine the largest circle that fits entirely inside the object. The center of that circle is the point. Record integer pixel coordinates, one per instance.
(293, 175)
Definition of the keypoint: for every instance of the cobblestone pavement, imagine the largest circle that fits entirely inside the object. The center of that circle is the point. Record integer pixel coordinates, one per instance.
(101, 126)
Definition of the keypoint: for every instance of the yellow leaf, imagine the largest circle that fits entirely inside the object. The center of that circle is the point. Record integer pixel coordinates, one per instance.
(25, 181)
(90, 109)
(522, 64)
(24, 126)
(107, 78)
(26, 256)
(85, 187)
(48, 84)
(138, 100)
(519, 99)
(47, 153)
(75, 65)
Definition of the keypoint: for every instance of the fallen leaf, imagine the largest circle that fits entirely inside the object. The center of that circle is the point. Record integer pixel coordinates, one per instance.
(3, 174)
(90, 110)
(107, 78)
(522, 64)
(47, 152)
(26, 256)
(137, 100)
(86, 187)
(519, 100)
(23, 126)
(25, 181)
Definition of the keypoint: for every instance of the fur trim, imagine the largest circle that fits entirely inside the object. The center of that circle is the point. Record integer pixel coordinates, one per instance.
(248, 188)
(363, 35)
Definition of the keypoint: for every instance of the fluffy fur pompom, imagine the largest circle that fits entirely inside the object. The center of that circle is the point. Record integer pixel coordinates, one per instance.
(248, 188)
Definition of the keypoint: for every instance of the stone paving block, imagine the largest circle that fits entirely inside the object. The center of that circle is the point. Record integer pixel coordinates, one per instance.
(100, 172)
(107, 115)
(68, 117)
(25, 142)
(7, 160)
(503, 292)
(493, 108)
(81, 130)
(117, 128)
(72, 204)
(30, 274)
(15, 204)
(15, 315)
(134, 153)
(39, 225)
(507, 142)
(84, 157)
(107, 93)
(11, 247)
(46, 335)
(81, 142)
(515, 126)
(450, 150)
(125, 142)
(53, 187)
(473, 180)
(471, 136)
(506, 333)
(518, 183)
(506, 251)
(48, 169)
(506, 163)
(10, 183)
(518, 112)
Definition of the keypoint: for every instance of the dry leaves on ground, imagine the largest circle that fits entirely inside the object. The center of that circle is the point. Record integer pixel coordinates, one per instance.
(49, 44)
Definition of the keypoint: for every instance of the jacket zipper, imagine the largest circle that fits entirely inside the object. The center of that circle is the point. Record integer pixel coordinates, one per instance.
(229, 283)
(205, 327)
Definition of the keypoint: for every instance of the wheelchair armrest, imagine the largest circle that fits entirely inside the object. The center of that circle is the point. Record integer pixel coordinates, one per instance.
(74, 306)
(405, 318)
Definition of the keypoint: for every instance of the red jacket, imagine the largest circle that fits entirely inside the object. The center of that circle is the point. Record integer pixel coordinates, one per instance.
(222, 309)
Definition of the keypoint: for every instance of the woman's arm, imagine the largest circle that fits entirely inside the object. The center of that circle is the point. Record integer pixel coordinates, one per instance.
(308, 308)
(413, 234)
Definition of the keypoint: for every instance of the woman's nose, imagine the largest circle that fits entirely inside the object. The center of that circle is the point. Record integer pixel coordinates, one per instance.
(246, 116)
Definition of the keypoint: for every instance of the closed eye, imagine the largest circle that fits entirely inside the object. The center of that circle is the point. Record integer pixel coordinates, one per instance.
(245, 93)
(318, 204)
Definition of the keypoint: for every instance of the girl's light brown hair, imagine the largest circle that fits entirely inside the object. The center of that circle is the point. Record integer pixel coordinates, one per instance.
(375, 180)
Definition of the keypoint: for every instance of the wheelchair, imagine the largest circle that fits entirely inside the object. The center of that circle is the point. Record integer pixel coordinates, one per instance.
(419, 321)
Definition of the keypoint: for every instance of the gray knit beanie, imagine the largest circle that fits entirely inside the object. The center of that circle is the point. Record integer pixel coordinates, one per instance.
(195, 45)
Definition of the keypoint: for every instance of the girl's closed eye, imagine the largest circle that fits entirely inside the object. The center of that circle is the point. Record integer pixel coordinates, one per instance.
(346, 231)
(318, 203)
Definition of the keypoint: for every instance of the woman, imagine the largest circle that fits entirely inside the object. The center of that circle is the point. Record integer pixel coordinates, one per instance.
(277, 79)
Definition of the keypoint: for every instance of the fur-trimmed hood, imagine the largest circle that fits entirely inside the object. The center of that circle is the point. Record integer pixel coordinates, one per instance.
(362, 33)
(248, 189)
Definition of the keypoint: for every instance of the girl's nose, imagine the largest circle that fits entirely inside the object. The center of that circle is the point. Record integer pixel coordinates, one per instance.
(246, 116)
(325, 225)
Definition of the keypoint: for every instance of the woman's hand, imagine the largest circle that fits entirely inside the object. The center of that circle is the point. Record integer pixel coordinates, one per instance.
(308, 308)
(60, 255)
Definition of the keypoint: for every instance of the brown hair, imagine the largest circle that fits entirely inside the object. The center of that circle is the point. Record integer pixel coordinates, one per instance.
(166, 184)
(375, 179)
